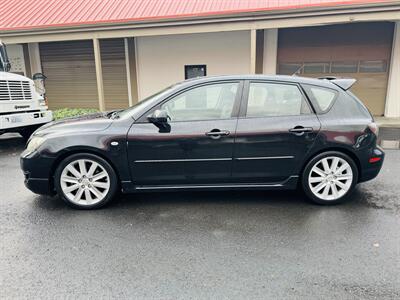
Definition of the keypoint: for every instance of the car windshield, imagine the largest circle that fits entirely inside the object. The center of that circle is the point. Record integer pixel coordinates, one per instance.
(142, 104)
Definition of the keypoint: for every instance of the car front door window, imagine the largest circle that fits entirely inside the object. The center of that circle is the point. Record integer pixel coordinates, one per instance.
(209, 102)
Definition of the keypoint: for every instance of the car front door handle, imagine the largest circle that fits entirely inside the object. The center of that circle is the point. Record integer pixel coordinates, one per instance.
(216, 134)
(300, 130)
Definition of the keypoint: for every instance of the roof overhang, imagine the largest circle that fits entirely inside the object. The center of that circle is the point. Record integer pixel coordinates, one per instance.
(310, 16)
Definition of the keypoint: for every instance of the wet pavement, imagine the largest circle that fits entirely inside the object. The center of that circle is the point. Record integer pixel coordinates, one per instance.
(220, 245)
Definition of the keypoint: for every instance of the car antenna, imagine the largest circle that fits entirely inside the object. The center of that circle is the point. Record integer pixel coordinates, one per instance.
(298, 70)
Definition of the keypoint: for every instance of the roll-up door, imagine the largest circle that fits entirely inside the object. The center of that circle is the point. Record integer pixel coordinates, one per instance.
(361, 51)
(71, 74)
(114, 73)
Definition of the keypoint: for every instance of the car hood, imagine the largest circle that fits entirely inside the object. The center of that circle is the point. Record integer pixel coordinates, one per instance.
(87, 123)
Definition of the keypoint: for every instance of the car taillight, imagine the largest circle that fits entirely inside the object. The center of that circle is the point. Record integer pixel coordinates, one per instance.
(374, 128)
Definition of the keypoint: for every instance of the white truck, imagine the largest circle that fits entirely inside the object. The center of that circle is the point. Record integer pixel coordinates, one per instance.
(22, 108)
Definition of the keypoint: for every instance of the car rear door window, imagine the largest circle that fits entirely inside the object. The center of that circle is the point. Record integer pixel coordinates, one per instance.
(208, 102)
(274, 99)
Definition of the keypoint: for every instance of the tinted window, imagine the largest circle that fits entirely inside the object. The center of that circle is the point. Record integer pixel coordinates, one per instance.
(289, 68)
(194, 71)
(208, 102)
(312, 68)
(271, 99)
(373, 66)
(344, 67)
(321, 97)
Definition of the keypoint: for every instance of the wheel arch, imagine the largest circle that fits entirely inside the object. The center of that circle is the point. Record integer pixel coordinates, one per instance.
(86, 150)
(337, 149)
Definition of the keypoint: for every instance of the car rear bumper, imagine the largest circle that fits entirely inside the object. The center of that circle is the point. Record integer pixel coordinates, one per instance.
(372, 168)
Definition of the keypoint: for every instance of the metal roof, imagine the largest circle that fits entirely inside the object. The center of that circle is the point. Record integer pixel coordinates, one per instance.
(36, 14)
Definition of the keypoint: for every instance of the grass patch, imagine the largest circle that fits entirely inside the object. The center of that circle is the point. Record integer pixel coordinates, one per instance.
(72, 112)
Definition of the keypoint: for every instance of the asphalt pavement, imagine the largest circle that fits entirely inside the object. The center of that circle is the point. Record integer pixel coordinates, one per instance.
(203, 245)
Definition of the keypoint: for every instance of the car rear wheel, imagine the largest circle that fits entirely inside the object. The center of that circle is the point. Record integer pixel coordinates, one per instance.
(85, 181)
(329, 178)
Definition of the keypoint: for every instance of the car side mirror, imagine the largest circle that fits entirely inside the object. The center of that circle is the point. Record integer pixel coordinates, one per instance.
(158, 117)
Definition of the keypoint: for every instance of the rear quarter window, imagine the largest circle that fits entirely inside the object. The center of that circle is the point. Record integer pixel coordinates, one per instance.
(321, 98)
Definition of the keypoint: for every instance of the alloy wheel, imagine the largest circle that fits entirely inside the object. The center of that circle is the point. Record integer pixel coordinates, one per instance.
(85, 182)
(330, 178)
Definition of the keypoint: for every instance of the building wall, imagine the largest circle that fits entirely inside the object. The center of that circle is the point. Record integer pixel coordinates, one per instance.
(161, 59)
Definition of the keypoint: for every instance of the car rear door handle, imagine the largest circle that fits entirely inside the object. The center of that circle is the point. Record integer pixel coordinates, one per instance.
(216, 134)
(300, 130)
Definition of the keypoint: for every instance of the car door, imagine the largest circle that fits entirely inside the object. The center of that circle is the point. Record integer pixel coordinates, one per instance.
(276, 129)
(196, 146)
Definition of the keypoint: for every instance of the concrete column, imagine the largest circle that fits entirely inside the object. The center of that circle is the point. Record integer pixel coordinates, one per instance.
(99, 74)
(260, 51)
(392, 107)
(270, 51)
(131, 70)
(34, 58)
(27, 60)
(257, 51)
(253, 51)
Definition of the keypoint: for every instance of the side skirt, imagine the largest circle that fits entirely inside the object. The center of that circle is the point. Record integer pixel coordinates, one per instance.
(288, 184)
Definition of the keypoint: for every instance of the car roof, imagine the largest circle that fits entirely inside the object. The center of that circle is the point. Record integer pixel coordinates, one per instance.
(281, 78)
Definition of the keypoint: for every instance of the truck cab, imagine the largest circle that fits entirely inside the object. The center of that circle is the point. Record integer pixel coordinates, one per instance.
(22, 108)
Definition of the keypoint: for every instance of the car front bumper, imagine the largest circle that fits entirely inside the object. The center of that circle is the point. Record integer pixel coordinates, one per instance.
(36, 170)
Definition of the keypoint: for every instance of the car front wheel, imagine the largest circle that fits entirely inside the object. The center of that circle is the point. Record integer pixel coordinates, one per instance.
(329, 178)
(85, 181)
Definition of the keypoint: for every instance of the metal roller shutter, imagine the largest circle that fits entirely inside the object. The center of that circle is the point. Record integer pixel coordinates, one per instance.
(71, 74)
(361, 51)
(114, 73)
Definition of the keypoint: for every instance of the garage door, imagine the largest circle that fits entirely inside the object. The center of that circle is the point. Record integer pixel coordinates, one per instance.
(114, 73)
(71, 74)
(361, 51)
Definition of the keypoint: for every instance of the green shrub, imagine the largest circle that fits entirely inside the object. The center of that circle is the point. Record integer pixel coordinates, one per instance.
(72, 112)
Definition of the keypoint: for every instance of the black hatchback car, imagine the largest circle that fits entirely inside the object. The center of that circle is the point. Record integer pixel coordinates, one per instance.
(225, 132)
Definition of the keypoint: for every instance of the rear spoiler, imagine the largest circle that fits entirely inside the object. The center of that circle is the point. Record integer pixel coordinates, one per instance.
(343, 83)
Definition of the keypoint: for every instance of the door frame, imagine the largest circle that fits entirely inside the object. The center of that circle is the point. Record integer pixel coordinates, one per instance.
(246, 89)
(236, 107)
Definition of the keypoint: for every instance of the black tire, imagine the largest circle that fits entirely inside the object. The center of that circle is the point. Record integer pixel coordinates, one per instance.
(108, 168)
(306, 172)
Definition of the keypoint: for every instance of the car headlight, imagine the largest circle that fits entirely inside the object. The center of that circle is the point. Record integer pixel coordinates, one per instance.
(34, 143)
